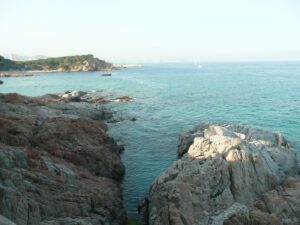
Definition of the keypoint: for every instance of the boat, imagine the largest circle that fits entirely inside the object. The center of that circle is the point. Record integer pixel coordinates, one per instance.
(106, 74)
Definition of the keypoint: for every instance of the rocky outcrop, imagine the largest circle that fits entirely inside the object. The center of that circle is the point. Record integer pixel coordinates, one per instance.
(91, 97)
(57, 163)
(222, 170)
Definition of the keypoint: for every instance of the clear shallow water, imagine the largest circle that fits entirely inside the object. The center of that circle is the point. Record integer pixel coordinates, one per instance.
(172, 98)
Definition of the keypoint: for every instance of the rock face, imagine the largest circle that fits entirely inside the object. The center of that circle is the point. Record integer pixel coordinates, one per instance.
(278, 206)
(222, 169)
(57, 164)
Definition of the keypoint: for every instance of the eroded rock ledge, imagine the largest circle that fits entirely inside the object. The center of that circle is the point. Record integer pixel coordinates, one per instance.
(225, 175)
(58, 166)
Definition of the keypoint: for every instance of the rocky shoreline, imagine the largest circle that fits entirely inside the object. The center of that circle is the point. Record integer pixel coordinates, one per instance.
(58, 166)
(17, 74)
(227, 174)
(57, 163)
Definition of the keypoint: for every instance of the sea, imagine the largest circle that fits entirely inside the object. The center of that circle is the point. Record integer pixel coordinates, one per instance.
(171, 98)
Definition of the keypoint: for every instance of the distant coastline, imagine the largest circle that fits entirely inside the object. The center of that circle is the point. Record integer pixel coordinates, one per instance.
(17, 74)
(80, 63)
(29, 73)
(77, 63)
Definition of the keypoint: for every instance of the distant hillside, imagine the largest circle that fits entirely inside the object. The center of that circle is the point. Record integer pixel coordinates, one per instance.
(67, 63)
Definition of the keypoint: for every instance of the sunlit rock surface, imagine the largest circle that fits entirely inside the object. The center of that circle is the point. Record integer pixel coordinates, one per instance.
(222, 170)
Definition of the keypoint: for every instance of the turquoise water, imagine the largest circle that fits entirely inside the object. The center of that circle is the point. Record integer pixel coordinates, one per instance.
(172, 98)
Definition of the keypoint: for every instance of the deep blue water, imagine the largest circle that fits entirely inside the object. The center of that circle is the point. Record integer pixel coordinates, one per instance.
(172, 98)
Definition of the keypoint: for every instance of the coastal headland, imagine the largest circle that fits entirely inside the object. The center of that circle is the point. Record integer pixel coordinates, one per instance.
(76, 63)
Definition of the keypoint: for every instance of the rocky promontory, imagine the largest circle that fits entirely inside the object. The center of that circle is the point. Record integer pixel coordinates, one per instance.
(228, 174)
(58, 166)
(75, 63)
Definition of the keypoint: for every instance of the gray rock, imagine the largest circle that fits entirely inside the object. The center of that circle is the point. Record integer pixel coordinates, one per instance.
(59, 169)
(221, 166)
(11, 157)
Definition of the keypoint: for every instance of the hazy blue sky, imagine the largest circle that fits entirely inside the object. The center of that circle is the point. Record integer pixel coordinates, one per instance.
(152, 30)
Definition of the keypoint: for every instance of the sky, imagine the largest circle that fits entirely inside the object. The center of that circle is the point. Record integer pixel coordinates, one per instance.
(153, 31)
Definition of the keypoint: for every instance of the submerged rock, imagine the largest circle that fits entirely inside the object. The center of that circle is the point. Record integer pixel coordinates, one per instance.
(123, 98)
(57, 164)
(222, 169)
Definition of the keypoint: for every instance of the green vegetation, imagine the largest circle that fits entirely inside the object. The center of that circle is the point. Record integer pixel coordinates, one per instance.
(132, 221)
(6, 64)
(78, 63)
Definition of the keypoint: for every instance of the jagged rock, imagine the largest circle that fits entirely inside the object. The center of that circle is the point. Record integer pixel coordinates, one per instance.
(57, 164)
(223, 168)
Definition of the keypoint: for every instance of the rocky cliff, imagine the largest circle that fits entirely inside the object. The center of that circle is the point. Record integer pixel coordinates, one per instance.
(58, 166)
(223, 177)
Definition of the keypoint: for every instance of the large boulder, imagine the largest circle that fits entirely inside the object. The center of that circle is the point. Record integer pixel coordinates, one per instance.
(222, 169)
(57, 164)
